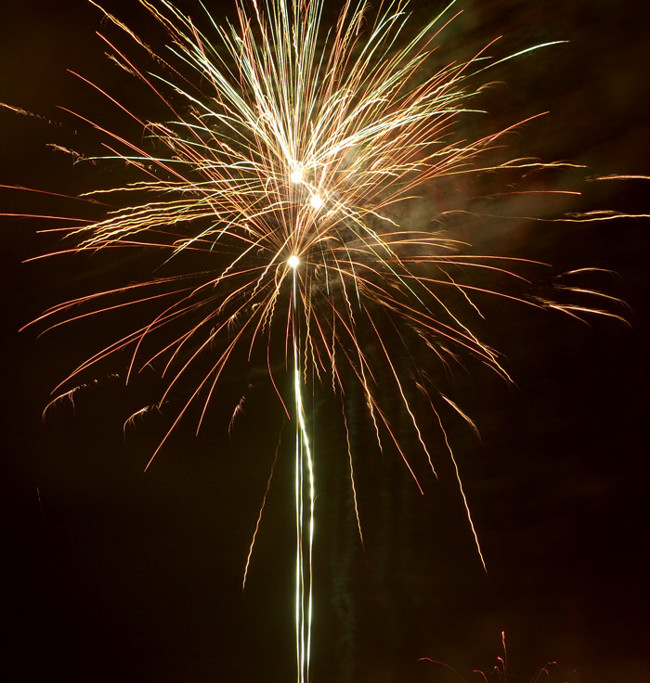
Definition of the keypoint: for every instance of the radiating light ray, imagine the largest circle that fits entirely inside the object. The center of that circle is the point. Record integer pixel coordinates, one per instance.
(259, 517)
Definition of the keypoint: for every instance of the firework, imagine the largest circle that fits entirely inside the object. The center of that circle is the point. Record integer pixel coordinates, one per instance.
(280, 173)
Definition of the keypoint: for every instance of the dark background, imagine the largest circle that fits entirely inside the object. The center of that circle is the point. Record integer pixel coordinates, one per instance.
(112, 574)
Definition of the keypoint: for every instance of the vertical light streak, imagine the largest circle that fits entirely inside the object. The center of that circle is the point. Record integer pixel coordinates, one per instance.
(305, 496)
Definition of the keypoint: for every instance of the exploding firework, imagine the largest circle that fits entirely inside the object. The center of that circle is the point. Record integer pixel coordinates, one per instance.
(273, 196)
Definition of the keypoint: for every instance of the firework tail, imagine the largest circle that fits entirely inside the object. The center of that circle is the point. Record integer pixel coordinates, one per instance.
(305, 495)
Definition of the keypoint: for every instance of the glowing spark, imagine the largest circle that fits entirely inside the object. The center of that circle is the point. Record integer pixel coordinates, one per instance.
(297, 177)
(316, 201)
(293, 261)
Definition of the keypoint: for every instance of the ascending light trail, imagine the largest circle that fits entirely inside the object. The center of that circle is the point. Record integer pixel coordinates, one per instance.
(305, 496)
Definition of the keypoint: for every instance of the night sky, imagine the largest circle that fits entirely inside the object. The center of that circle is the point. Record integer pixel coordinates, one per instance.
(112, 574)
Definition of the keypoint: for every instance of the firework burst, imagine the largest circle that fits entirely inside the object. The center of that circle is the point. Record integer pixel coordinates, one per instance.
(280, 173)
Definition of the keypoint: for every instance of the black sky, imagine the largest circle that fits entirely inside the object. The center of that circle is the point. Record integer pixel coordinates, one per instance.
(112, 574)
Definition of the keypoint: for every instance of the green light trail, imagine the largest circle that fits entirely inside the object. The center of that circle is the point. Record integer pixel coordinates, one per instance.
(305, 499)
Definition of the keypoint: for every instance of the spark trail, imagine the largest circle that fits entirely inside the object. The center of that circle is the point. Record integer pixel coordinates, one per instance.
(305, 498)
